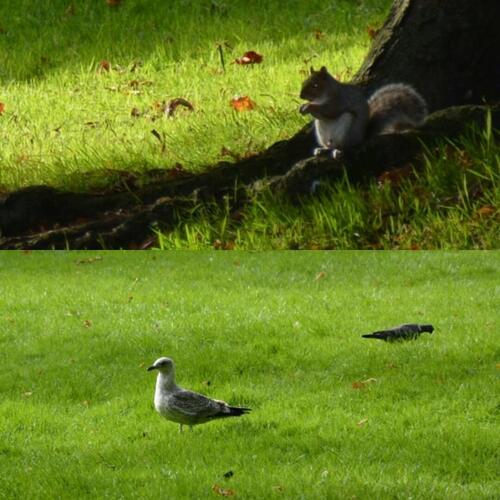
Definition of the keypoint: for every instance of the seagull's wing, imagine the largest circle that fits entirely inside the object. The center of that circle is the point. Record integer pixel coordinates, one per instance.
(196, 405)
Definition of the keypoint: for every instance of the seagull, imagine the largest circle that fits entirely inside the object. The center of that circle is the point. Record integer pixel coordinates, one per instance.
(183, 406)
(407, 331)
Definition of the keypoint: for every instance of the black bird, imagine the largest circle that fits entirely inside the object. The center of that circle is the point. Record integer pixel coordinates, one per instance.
(409, 331)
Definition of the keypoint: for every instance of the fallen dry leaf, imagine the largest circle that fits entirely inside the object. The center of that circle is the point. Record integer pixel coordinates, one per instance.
(103, 66)
(2, 108)
(113, 3)
(27, 394)
(361, 384)
(362, 422)
(174, 103)
(396, 176)
(250, 57)
(223, 492)
(242, 103)
(372, 32)
(320, 275)
(135, 112)
(483, 211)
(87, 323)
(318, 34)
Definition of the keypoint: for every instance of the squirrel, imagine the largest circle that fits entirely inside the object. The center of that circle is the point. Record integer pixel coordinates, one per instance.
(344, 117)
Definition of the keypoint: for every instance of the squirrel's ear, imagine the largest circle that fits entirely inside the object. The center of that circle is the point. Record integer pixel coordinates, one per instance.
(311, 69)
(323, 69)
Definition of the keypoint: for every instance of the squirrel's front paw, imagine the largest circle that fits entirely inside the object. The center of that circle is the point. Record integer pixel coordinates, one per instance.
(304, 109)
(319, 151)
(337, 154)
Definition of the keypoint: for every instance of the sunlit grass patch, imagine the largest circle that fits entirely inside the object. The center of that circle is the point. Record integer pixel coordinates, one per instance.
(334, 415)
(64, 117)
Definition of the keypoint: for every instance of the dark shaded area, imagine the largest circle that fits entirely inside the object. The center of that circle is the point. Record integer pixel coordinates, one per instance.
(50, 35)
(449, 51)
(42, 217)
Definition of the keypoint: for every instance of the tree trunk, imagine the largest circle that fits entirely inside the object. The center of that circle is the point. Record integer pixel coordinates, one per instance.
(447, 49)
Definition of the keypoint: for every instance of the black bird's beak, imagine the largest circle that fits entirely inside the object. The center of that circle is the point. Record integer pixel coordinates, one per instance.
(152, 367)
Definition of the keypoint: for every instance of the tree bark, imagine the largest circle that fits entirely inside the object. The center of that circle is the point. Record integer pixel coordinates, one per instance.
(447, 49)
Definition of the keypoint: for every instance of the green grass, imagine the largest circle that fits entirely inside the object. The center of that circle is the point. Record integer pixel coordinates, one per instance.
(68, 125)
(269, 331)
(451, 202)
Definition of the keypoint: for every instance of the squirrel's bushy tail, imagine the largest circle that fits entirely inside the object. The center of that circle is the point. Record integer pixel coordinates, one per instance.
(394, 108)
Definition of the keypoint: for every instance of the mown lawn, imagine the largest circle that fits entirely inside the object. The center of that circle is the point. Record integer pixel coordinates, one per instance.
(334, 415)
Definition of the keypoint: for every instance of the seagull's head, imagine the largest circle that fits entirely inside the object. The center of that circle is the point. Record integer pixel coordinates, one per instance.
(164, 365)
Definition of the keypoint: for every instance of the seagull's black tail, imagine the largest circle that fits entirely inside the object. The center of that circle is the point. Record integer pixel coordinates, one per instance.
(237, 412)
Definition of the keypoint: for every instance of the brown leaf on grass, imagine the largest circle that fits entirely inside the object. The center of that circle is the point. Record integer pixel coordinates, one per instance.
(242, 103)
(174, 103)
(361, 384)
(250, 57)
(103, 66)
(486, 211)
(135, 112)
(135, 84)
(2, 108)
(113, 3)
(87, 323)
(320, 275)
(223, 245)
(223, 492)
(319, 35)
(372, 32)
(395, 177)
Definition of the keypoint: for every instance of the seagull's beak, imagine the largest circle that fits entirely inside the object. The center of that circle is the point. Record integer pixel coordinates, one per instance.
(152, 367)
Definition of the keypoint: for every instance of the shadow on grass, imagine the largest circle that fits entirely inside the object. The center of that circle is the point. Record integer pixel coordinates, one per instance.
(38, 38)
